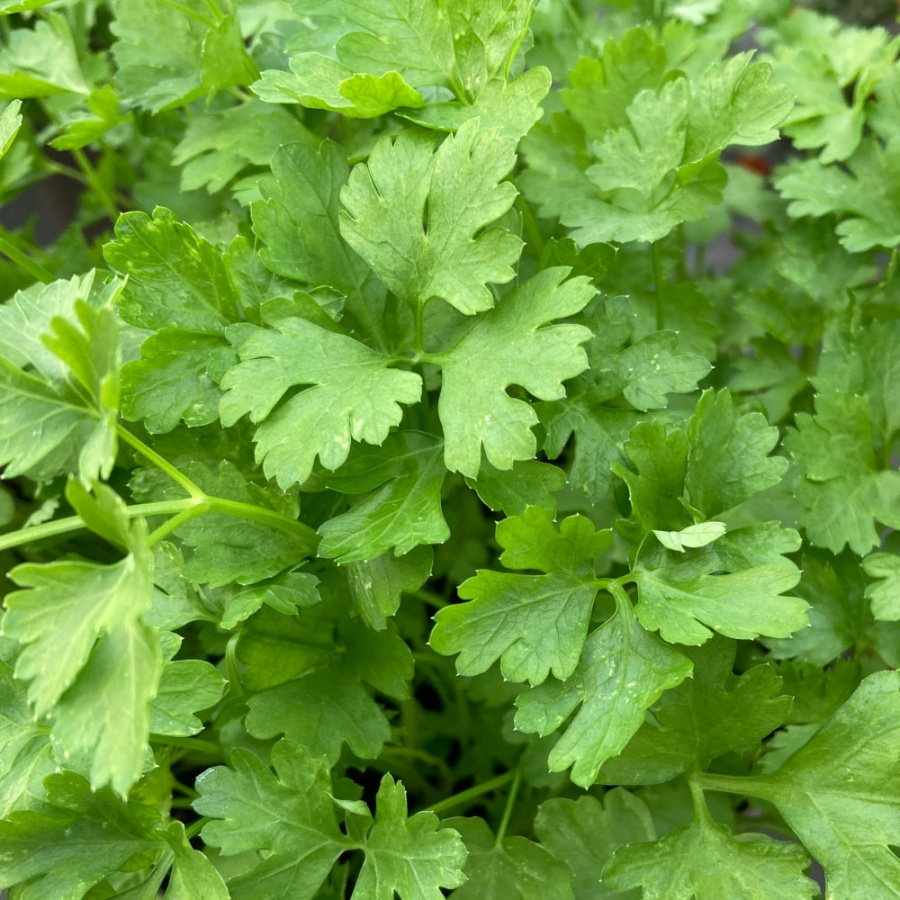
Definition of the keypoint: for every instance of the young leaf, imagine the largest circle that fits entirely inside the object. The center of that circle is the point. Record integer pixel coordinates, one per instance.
(513, 343)
(884, 594)
(420, 217)
(403, 513)
(534, 624)
(354, 395)
(623, 671)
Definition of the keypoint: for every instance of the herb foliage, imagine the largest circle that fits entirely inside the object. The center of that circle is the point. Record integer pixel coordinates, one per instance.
(398, 498)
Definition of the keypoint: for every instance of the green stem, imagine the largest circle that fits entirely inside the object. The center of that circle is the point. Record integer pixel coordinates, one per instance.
(656, 256)
(303, 533)
(424, 756)
(728, 784)
(196, 827)
(430, 598)
(97, 186)
(231, 665)
(187, 743)
(473, 792)
(25, 263)
(191, 512)
(510, 803)
(162, 464)
(76, 523)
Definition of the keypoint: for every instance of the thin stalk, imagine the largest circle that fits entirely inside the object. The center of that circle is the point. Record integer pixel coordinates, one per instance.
(429, 597)
(472, 793)
(656, 256)
(25, 263)
(191, 512)
(76, 523)
(161, 463)
(265, 516)
(728, 784)
(195, 828)
(97, 186)
(510, 803)
(187, 743)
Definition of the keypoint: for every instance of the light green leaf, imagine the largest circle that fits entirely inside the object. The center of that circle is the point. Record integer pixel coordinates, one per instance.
(79, 839)
(840, 792)
(285, 594)
(623, 671)
(884, 594)
(729, 455)
(403, 513)
(420, 218)
(408, 856)
(528, 483)
(289, 813)
(193, 875)
(514, 868)
(704, 862)
(10, 123)
(713, 713)
(319, 82)
(513, 343)
(216, 147)
(692, 537)
(59, 365)
(186, 686)
(533, 624)
(25, 757)
(354, 395)
(585, 832)
(41, 61)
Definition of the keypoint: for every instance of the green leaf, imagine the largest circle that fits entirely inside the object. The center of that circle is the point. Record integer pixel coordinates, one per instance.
(186, 686)
(226, 548)
(884, 594)
(193, 875)
(218, 146)
(515, 867)
(681, 594)
(845, 490)
(318, 82)
(88, 657)
(585, 832)
(297, 219)
(79, 839)
(10, 123)
(623, 671)
(409, 856)
(403, 513)
(285, 594)
(59, 365)
(840, 617)
(41, 61)
(703, 862)
(375, 586)
(533, 624)
(863, 192)
(354, 395)
(453, 195)
(831, 71)
(713, 713)
(308, 672)
(25, 756)
(729, 455)
(839, 792)
(512, 491)
(692, 537)
(513, 343)
(290, 814)
(176, 279)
